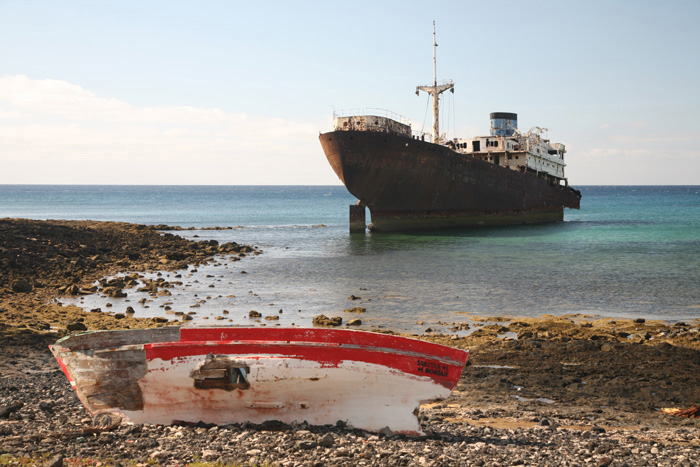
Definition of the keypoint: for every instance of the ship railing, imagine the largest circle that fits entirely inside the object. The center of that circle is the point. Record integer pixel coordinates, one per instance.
(372, 111)
(422, 136)
(444, 82)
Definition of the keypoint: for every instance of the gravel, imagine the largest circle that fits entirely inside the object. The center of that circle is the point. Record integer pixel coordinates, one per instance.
(50, 426)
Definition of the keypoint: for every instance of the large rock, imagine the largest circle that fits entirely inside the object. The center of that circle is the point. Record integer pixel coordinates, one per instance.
(21, 286)
(76, 327)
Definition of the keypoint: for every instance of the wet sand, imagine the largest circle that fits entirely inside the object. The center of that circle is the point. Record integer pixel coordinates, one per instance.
(581, 389)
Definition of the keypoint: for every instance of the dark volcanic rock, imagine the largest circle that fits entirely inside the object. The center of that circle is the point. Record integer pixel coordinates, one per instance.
(69, 251)
(76, 327)
(114, 292)
(21, 286)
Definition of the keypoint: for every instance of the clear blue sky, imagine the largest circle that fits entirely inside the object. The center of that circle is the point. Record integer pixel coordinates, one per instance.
(228, 92)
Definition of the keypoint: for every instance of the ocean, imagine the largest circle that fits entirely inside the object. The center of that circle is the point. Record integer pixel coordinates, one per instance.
(630, 251)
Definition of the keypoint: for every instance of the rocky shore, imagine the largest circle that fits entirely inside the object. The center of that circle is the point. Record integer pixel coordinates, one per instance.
(571, 390)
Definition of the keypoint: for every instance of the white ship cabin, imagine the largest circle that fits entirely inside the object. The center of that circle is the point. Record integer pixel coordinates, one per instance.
(524, 152)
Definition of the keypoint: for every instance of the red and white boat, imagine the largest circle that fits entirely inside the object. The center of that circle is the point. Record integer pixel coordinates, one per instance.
(233, 374)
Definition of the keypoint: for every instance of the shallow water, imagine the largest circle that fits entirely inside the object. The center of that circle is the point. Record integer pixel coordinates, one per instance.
(629, 252)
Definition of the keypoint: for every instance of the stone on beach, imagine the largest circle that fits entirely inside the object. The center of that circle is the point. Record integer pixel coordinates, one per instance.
(323, 320)
(76, 327)
(21, 286)
(114, 292)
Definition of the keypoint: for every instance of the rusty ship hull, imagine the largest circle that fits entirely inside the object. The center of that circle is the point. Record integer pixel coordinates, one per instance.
(410, 184)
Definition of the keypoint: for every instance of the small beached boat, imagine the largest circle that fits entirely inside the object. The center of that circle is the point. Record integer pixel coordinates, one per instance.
(232, 374)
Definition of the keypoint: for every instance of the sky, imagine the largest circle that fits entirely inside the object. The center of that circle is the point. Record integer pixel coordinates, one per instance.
(236, 93)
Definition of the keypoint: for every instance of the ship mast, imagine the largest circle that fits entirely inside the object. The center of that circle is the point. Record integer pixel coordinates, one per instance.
(435, 91)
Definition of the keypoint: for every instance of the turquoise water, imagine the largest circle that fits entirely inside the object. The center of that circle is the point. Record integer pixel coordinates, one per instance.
(629, 252)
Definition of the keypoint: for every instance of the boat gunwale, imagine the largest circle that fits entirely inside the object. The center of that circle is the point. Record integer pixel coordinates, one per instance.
(300, 338)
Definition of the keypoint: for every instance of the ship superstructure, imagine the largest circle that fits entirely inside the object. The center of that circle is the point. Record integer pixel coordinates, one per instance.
(527, 152)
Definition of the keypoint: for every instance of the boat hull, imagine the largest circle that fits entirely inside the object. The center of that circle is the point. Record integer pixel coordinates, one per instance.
(411, 184)
(320, 376)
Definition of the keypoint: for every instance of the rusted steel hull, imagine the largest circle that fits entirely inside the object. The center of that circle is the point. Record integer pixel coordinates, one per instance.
(411, 184)
(229, 375)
